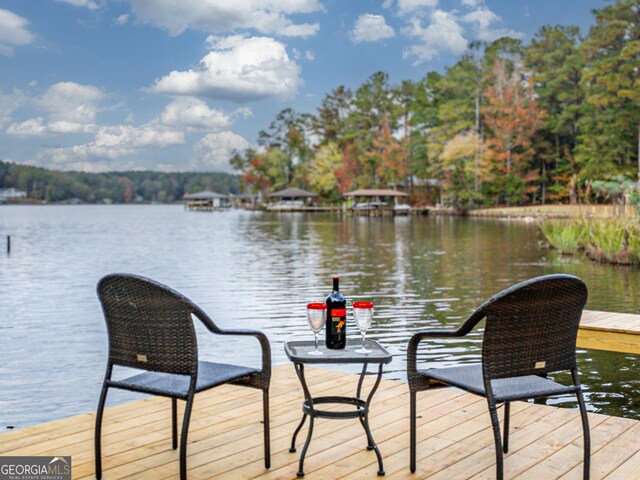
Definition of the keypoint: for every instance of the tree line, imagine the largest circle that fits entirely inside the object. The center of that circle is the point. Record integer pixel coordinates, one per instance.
(555, 120)
(120, 187)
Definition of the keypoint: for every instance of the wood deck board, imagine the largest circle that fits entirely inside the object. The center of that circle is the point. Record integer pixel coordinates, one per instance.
(228, 429)
(454, 437)
(614, 332)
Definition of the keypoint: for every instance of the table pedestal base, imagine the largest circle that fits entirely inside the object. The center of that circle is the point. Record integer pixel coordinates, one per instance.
(360, 412)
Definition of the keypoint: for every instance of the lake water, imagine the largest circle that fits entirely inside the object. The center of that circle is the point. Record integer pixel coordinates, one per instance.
(258, 270)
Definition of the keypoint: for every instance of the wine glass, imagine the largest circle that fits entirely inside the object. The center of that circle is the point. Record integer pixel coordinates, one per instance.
(363, 313)
(317, 316)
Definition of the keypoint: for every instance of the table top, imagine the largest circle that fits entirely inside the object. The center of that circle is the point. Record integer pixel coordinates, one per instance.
(298, 352)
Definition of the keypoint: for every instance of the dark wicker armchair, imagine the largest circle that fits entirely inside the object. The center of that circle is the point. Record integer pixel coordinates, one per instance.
(150, 327)
(530, 331)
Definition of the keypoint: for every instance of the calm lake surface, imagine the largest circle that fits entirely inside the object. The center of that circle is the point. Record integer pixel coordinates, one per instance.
(258, 270)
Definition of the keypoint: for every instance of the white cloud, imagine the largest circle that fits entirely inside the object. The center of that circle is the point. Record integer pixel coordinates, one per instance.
(72, 102)
(33, 126)
(410, 6)
(110, 143)
(214, 150)
(13, 32)
(120, 146)
(8, 104)
(370, 28)
(122, 19)
(443, 35)
(119, 140)
(90, 4)
(220, 16)
(192, 114)
(309, 55)
(70, 108)
(237, 69)
(482, 19)
(37, 126)
(471, 3)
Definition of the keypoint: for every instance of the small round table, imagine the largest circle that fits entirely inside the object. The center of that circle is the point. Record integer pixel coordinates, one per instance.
(298, 353)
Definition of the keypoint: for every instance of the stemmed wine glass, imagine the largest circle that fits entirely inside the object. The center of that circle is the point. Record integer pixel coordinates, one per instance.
(363, 313)
(317, 316)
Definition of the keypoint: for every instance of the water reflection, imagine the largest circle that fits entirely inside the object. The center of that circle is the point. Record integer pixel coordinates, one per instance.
(257, 270)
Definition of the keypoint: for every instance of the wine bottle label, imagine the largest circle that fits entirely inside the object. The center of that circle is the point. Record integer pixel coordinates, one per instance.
(339, 312)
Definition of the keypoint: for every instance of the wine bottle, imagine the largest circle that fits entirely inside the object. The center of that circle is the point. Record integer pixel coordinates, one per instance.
(336, 318)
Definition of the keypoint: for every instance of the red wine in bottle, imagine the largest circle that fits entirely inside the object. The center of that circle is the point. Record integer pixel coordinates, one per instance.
(336, 318)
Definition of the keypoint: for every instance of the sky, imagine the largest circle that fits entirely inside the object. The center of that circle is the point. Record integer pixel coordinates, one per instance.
(178, 85)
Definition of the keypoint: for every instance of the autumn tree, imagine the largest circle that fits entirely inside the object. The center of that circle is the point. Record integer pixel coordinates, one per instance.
(388, 158)
(459, 99)
(462, 168)
(254, 170)
(556, 63)
(513, 116)
(321, 176)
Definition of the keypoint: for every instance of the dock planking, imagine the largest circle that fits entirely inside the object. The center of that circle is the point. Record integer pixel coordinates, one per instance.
(455, 440)
(614, 332)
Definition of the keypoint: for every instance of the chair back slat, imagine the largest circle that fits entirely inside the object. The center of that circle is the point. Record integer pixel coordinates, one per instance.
(531, 328)
(149, 325)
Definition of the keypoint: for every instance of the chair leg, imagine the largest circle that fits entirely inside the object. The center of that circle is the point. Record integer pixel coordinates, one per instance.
(98, 432)
(505, 436)
(174, 423)
(496, 435)
(265, 420)
(183, 437)
(586, 467)
(412, 431)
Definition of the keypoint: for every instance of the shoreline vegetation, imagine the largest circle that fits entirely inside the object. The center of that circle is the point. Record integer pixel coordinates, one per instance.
(614, 240)
(53, 186)
(552, 120)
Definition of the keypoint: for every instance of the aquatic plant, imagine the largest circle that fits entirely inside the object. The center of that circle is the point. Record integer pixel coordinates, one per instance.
(614, 240)
(566, 236)
(607, 242)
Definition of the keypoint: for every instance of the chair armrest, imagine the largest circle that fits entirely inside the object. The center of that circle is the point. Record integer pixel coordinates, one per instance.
(262, 338)
(264, 344)
(412, 348)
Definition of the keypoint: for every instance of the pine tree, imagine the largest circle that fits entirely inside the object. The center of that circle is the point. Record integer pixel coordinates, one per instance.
(555, 62)
(610, 126)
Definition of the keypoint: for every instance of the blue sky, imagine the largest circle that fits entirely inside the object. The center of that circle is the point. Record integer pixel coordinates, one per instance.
(170, 85)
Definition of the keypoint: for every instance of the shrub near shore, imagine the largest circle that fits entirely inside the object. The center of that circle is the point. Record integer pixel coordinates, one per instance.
(614, 240)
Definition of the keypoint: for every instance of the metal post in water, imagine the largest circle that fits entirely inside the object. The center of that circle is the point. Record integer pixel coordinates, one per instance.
(8, 243)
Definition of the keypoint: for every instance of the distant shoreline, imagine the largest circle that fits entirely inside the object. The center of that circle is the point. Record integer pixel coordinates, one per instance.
(39, 203)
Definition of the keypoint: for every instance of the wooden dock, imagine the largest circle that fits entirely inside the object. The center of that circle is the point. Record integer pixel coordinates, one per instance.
(225, 440)
(614, 332)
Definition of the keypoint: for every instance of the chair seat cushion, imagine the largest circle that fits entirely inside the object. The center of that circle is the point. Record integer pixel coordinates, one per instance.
(209, 375)
(469, 378)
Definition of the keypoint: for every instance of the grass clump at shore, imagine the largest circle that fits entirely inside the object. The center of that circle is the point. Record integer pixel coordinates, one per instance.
(613, 240)
(566, 236)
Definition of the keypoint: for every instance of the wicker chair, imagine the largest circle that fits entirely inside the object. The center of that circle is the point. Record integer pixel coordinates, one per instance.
(150, 327)
(530, 331)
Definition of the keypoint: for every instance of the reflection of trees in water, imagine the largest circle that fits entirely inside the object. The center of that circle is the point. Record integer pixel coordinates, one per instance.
(431, 273)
